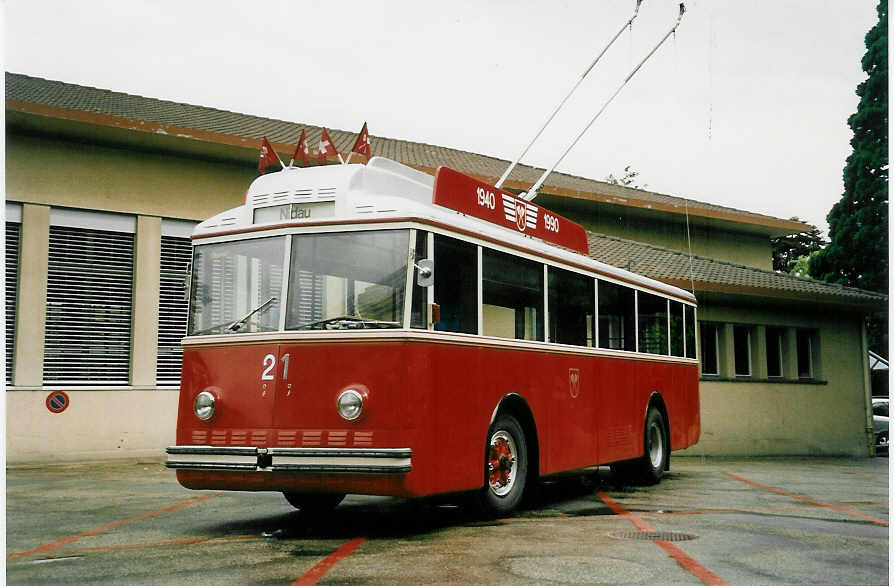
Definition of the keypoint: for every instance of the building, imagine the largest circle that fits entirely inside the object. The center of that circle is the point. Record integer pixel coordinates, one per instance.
(103, 189)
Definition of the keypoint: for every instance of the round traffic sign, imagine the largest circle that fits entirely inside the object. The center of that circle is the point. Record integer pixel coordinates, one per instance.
(57, 401)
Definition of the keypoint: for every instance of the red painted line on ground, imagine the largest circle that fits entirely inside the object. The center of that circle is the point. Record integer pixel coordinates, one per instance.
(637, 522)
(681, 557)
(318, 571)
(96, 531)
(192, 541)
(838, 508)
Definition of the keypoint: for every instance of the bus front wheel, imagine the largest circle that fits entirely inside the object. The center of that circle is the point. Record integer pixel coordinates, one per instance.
(505, 467)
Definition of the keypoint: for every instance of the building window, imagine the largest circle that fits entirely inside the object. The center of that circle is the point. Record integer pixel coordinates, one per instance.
(173, 308)
(617, 316)
(742, 350)
(89, 304)
(571, 304)
(13, 230)
(512, 289)
(775, 337)
(708, 344)
(805, 342)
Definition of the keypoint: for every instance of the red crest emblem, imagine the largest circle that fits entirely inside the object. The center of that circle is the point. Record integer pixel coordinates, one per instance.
(521, 214)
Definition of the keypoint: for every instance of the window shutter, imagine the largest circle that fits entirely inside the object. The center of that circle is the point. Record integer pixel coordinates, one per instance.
(89, 305)
(12, 280)
(176, 254)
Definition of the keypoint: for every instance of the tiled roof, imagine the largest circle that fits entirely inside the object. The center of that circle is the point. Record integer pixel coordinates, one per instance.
(62, 97)
(709, 275)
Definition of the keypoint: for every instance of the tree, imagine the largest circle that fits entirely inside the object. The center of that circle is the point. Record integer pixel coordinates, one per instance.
(626, 180)
(857, 254)
(787, 250)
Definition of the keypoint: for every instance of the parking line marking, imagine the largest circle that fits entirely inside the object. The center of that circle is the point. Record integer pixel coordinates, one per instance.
(838, 508)
(96, 531)
(681, 557)
(313, 575)
(188, 541)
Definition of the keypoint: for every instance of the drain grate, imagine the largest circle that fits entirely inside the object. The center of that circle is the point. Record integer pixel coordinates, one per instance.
(653, 535)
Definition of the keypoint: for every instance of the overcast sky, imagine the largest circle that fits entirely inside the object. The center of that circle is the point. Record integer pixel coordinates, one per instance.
(746, 106)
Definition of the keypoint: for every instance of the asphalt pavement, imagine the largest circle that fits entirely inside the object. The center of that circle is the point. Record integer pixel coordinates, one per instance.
(738, 521)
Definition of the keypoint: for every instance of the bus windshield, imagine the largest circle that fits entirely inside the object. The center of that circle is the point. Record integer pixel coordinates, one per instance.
(236, 287)
(347, 280)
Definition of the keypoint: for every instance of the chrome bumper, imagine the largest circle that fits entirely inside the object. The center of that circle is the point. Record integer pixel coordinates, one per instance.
(251, 459)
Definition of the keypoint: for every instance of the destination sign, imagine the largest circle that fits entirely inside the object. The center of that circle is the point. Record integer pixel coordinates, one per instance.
(295, 211)
(470, 196)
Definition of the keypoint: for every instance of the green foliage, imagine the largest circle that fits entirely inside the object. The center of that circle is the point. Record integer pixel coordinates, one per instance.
(858, 224)
(787, 250)
(629, 177)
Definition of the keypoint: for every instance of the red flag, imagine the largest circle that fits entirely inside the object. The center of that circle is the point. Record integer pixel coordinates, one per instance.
(302, 153)
(268, 156)
(362, 145)
(327, 147)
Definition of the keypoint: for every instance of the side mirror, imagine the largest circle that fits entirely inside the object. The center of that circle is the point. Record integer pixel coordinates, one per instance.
(425, 277)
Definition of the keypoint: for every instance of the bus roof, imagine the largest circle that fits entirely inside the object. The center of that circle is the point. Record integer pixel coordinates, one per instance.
(382, 191)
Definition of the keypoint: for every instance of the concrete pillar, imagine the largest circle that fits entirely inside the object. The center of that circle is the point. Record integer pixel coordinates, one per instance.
(31, 308)
(726, 355)
(144, 330)
(790, 353)
(759, 352)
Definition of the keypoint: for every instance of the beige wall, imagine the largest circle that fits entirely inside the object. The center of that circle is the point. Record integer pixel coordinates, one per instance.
(769, 418)
(99, 178)
(739, 248)
(98, 425)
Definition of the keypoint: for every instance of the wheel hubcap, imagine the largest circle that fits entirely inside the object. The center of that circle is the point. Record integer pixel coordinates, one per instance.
(656, 445)
(501, 463)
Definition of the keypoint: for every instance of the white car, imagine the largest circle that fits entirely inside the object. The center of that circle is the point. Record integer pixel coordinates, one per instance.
(880, 424)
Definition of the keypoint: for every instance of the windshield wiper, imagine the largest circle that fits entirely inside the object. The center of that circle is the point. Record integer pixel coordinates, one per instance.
(237, 325)
(347, 322)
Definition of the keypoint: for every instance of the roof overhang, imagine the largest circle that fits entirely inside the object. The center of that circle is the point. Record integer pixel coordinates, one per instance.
(80, 125)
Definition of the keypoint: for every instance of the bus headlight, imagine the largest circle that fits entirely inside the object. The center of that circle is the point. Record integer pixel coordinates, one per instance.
(350, 404)
(203, 406)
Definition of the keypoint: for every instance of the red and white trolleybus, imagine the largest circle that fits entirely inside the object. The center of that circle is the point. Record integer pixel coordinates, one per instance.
(371, 329)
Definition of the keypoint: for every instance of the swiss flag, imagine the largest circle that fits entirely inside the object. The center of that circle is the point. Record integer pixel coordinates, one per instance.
(267, 157)
(302, 153)
(362, 145)
(327, 147)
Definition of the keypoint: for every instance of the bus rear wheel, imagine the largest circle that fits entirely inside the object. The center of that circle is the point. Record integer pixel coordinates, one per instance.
(313, 503)
(505, 467)
(649, 469)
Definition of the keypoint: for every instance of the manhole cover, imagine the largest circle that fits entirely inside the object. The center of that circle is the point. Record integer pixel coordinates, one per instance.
(653, 535)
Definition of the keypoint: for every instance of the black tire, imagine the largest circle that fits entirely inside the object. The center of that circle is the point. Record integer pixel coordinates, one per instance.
(650, 468)
(505, 467)
(313, 503)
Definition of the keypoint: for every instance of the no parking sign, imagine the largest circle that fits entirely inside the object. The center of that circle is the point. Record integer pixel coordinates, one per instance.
(57, 401)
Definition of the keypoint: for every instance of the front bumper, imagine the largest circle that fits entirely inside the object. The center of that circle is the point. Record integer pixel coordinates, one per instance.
(251, 459)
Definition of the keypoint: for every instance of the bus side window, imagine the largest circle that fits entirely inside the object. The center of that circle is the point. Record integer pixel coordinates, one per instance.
(616, 317)
(420, 294)
(456, 285)
(513, 296)
(652, 321)
(689, 313)
(570, 307)
(676, 328)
